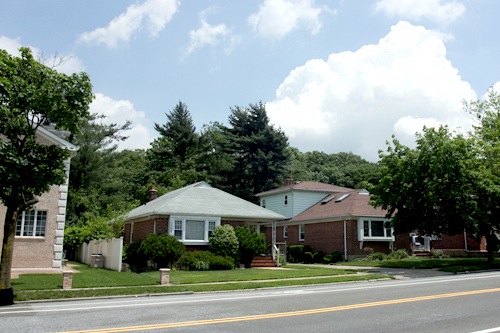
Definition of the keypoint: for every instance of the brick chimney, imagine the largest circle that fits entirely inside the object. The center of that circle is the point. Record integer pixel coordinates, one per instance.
(288, 182)
(153, 193)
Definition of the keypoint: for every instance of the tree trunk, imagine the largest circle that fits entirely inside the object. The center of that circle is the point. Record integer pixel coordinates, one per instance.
(9, 233)
(491, 246)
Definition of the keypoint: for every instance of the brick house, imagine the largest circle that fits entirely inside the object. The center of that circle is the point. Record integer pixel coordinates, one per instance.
(40, 232)
(333, 218)
(328, 218)
(192, 212)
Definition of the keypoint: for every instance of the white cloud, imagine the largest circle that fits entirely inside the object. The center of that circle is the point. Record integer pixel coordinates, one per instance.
(277, 18)
(443, 12)
(119, 111)
(64, 63)
(153, 14)
(211, 35)
(355, 101)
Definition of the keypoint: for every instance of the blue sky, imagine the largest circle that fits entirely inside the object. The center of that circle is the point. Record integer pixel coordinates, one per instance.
(336, 76)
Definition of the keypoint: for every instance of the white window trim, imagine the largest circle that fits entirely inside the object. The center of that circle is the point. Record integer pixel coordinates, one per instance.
(361, 231)
(303, 232)
(35, 223)
(204, 241)
(285, 231)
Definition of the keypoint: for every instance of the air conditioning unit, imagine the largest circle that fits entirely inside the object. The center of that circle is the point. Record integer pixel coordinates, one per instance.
(97, 261)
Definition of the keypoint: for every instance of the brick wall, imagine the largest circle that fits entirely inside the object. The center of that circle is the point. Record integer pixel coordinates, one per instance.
(329, 237)
(143, 228)
(37, 252)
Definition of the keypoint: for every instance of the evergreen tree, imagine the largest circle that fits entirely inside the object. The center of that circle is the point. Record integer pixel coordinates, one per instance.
(258, 149)
(178, 142)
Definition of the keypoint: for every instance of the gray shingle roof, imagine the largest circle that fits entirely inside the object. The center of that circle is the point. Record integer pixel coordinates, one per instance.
(201, 199)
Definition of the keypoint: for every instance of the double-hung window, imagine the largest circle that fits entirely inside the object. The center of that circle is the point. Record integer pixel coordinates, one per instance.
(193, 230)
(32, 223)
(285, 231)
(301, 232)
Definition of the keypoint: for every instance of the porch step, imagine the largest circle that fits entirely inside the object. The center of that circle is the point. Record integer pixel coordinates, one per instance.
(422, 253)
(263, 262)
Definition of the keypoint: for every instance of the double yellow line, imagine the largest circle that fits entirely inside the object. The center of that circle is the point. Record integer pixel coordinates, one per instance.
(287, 314)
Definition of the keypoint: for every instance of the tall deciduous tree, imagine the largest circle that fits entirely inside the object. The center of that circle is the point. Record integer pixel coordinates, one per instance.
(487, 133)
(440, 187)
(31, 95)
(259, 151)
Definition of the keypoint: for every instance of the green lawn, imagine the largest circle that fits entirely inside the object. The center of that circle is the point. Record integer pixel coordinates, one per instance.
(91, 282)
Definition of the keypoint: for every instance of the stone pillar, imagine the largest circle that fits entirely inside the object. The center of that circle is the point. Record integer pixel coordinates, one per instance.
(164, 276)
(67, 279)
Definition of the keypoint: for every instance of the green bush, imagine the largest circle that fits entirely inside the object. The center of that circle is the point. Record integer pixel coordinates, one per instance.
(250, 244)
(376, 256)
(336, 256)
(203, 261)
(398, 254)
(327, 259)
(224, 242)
(132, 256)
(296, 252)
(163, 249)
(308, 257)
(318, 256)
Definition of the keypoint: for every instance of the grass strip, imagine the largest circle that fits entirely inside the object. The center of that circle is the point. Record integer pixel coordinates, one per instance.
(26, 295)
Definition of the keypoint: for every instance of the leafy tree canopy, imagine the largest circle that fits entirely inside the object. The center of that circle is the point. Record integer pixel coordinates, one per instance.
(33, 95)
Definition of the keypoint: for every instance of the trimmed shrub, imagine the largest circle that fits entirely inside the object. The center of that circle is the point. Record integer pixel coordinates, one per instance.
(308, 257)
(296, 252)
(250, 244)
(318, 256)
(336, 256)
(203, 261)
(224, 242)
(162, 249)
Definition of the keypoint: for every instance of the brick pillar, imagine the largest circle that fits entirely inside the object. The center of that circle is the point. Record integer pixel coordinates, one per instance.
(164, 276)
(67, 279)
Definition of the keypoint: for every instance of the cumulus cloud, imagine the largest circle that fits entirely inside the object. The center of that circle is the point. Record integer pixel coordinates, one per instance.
(442, 12)
(211, 35)
(355, 101)
(64, 63)
(151, 14)
(119, 111)
(277, 18)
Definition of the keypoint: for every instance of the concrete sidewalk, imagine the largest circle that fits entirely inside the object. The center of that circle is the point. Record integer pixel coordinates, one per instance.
(398, 273)
(15, 272)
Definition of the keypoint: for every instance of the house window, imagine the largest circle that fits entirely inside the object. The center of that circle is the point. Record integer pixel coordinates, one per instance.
(374, 228)
(211, 228)
(301, 232)
(193, 230)
(32, 223)
(285, 231)
(263, 203)
(178, 229)
(286, 200)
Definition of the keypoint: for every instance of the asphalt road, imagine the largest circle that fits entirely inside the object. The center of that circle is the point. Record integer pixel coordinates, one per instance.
(451, 303)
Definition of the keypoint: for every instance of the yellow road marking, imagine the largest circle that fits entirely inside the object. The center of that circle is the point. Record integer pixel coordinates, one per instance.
(287, 314)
